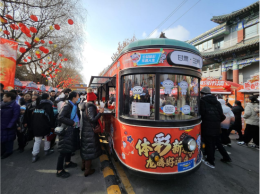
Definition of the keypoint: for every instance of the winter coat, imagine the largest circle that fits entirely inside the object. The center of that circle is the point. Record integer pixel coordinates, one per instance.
(237, 110)
(28, 114)
(90, 145)
(211, 114)
(67, 138)
(228, 113)
(251, 114)
(23, 102)
(10, 113)
(43, 119)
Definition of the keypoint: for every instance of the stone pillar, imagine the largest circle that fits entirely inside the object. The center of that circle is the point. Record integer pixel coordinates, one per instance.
(224, 72)
(235, 72)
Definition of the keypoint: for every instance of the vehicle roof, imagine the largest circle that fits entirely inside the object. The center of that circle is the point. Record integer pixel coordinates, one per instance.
(159, 42)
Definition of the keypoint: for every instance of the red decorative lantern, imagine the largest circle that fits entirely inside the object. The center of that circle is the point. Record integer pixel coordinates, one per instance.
(9, 16)
(20, 65)
(28, 35)
(33, 29)
(22, 50)
(50, 63)
(6, 32)
(65, 59)
(28, 44)
(14, 27)
(38, 82)
(34, 18)
(60, 55)
(57, 27)
(29, 57)
(70, 21)
(25, 60)
(42, 41)
(50, 42)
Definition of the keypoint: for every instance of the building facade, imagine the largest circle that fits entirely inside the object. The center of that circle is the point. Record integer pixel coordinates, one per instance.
(231, 50)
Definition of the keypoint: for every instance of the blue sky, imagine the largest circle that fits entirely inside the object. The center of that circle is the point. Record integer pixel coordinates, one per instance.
(110, 22)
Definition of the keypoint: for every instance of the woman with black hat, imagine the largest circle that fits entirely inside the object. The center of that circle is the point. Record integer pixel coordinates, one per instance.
(251, 117)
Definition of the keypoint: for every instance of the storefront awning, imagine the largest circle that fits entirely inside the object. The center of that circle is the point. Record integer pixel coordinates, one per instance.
(213, 92)
(97, 81)
(248, 91)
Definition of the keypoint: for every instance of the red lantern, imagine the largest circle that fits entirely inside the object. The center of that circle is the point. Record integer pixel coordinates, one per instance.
(6, 32)
(57, 27)
(25, 60)
(40, 66)
(22, 50)
(50, 63)
(28, 35)
(38, 82)
(29, 57)
(33, 29)
(20, 65)
(60, 55)
(9, 17)
(28, 44)
(24, 29)
(70, 21)
(50, 42)
(54, 64)
(14, 27)
(42, 41)
(34, 18)
(65, 59)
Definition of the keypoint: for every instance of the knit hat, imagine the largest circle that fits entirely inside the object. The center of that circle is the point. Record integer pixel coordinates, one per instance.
(205, 90)
(91, 96)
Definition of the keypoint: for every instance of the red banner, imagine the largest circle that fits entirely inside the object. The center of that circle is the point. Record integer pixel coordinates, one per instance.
(8, 52)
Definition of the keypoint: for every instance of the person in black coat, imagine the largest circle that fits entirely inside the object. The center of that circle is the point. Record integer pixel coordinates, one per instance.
(27, 99)
(70, 121)
(211, 115)
(90, 145)
(237, 110)
(42, 123)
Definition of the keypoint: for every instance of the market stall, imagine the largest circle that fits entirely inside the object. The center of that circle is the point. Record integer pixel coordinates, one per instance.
(41, 87)
(48, 88)
(29, 85)
(17, 84)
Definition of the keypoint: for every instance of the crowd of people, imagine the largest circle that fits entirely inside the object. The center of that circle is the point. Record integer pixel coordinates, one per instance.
(34, 116)
(219, 118)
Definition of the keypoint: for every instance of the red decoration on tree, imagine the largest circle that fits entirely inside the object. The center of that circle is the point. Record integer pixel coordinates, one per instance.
(22, 50)
(60, 55)
(57, 27)
(41, 66)
(42, 41)
(20, 65)
(28, 35)
(70, 21)
(29, 57)
(14, 27)
(50, 63)
(6, 32)
(65, 59)
(25, 60)
(9, 16)
(50, 42)
(28, 44)
(33, 29)
(34, 18)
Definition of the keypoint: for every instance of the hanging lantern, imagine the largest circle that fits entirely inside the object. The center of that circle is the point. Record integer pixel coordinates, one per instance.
(50, 42)
(22, 50)
(40, 66)
(57, 27)
(50, 63)
(14, 27)
(9, 16)
(33, 29)
(6, 32)
(65, 59)
(54, 64)
(29, 57)
(2, 20)
(42, 41)
(60, 55)
(28, 44)
(20, 65)
(34, 18)
(28, 35)
(41, 48)
(44, 63)
(70, 21)
(25, 60)
(51, 28)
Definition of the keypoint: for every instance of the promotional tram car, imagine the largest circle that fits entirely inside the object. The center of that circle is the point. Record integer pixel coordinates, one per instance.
(151, 117)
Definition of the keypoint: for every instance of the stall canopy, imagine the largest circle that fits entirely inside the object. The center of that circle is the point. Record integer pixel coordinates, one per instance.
(97, 81)
(48, 88)
(41, 87)
(29, 85)
(17, 83)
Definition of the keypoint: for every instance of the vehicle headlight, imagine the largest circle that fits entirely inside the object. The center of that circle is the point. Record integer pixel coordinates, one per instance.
(189, 144)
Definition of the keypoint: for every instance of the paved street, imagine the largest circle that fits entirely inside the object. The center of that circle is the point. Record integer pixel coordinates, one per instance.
(19, 175)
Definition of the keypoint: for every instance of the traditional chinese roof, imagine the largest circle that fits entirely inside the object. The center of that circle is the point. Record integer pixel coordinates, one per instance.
(242, 45)
(223, 18)
(215, 29)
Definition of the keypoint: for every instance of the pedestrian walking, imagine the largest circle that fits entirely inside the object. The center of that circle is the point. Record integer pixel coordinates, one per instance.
(10, 112)
(69, 118)
(90, 145)
(237, 109)
(212, 115)
(42, 123)
(21, 130)
(251, 117)
(225, 125)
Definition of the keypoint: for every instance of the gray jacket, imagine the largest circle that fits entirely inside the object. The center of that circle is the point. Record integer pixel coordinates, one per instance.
(251, 114)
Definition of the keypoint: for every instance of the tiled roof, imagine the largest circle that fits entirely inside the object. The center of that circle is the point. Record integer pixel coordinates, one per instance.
(241, 45)
(223, 18)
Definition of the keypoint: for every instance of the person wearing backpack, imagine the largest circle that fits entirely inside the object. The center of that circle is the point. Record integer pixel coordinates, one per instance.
(251, 117)
(211, 115)
(42, 123)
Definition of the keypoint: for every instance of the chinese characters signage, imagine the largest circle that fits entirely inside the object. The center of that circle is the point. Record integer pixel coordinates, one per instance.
(185, 58)
(145, 59)
(212, 83)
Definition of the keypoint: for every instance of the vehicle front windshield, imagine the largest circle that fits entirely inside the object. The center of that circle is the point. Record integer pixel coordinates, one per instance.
(178, 100)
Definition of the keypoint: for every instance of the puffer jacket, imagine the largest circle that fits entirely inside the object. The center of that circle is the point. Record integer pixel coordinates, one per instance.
(237, 110)
(251, 114)
(228, 113)
(67, 138)
(10, 113)
(211, 114)
(90, 145)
